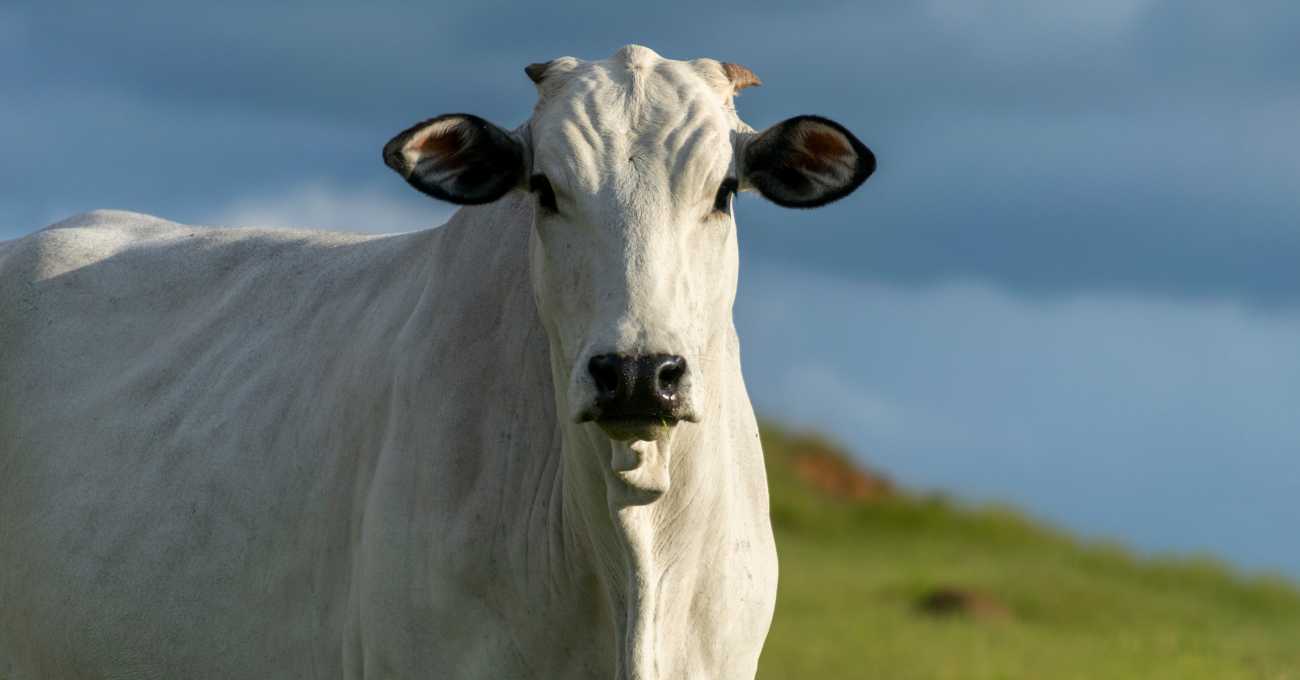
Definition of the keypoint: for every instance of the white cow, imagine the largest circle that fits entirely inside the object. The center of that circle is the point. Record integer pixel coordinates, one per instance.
(516, 446)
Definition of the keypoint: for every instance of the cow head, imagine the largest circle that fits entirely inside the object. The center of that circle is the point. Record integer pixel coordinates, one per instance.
(633, 163)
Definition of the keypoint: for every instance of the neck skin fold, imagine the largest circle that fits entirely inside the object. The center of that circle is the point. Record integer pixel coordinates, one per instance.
(640, 506)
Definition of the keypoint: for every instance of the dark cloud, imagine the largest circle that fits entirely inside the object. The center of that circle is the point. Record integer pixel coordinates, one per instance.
(1047, 148)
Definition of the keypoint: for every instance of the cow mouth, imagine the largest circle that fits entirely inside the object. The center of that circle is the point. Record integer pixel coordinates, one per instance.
(636, 427)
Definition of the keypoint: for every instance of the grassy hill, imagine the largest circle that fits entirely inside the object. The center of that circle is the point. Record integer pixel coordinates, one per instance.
(876, 583)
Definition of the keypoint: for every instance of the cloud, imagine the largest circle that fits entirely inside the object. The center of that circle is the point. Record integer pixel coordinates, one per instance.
(87, 148)
(991, 17)
(320, 205)
(842, 401)
(1167, 423)
(1167, 203)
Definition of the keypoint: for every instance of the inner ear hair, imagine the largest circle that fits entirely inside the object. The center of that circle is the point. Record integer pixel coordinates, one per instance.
(806, 162)
(435, 136)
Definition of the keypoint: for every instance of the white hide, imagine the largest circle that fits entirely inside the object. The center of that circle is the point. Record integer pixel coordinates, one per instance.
(288, 454)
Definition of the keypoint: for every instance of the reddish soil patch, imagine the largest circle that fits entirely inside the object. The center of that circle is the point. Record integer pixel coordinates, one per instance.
(827, 470)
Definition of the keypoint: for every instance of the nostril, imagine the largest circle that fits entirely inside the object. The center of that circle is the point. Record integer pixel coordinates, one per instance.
(670, 373)
(606, 370)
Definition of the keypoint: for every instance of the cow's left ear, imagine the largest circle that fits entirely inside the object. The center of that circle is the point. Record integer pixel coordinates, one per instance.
(804, 162)
(458, 158)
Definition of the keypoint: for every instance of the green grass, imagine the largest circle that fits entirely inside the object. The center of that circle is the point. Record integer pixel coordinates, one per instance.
(852, 573)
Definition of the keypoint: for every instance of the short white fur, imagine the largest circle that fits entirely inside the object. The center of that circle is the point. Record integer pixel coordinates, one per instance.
(258, 453)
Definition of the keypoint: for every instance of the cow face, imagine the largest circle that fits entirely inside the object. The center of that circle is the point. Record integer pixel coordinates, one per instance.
(633, 163)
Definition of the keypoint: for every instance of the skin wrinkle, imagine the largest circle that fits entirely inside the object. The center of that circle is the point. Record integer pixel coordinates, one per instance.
(580, 174)
(691, 183)
(554, 545)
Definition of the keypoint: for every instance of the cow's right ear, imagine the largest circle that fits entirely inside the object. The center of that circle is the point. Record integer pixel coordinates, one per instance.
(458, 158)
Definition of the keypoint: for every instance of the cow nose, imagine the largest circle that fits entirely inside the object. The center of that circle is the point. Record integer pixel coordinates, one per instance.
(644, 386)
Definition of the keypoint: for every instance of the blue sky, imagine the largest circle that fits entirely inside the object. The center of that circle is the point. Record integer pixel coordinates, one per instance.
(1072, 284)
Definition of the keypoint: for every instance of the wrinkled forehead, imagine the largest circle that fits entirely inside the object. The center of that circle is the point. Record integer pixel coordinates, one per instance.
(634, 113)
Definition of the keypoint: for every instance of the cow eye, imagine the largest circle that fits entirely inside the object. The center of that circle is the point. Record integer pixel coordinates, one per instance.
(538, 184)
(722, 201)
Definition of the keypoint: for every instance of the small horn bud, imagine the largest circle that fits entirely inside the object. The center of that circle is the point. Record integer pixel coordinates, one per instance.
(740, 76)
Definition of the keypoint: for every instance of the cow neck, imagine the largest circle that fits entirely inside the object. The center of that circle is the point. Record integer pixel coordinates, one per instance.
(639, 508)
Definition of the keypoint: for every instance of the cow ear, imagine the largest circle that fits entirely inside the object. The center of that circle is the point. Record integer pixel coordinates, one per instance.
(805, 162)
(458, 158)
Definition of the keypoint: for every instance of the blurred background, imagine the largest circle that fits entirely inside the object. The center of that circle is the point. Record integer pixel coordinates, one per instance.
(1071, 288)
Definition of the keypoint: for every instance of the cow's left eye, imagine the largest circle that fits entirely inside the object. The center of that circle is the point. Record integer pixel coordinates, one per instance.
(722, 201)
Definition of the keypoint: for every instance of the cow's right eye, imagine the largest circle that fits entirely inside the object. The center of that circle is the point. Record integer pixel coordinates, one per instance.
(539, 185)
